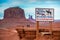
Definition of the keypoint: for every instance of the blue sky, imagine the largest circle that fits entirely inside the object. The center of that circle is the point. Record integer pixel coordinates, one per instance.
(30, 5)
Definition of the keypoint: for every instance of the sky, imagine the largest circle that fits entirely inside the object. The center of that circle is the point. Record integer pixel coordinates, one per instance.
(30, 5)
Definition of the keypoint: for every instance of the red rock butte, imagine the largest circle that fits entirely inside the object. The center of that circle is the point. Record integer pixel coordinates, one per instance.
(14, 12)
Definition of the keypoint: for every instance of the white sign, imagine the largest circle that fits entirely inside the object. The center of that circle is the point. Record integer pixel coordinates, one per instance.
(44, 14)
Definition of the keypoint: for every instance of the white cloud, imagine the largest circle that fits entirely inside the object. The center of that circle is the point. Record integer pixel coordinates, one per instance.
(29, 11)
(57, 13)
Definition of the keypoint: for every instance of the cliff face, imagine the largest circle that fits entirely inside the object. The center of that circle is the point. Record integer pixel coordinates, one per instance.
(14, 12)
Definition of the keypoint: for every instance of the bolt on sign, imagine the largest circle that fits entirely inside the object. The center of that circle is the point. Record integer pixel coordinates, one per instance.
(44, 14)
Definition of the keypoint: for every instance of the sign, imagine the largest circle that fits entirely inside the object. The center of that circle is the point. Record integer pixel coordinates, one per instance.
(44, 14)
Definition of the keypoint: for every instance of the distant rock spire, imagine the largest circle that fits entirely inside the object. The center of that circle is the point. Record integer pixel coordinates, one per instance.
(30, 17)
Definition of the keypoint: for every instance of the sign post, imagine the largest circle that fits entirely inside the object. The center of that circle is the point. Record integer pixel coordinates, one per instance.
(37, 30)
(44, 14)
(51, 30)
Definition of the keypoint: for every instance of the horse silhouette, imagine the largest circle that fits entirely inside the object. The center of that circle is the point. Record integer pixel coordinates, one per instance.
(49, 12)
